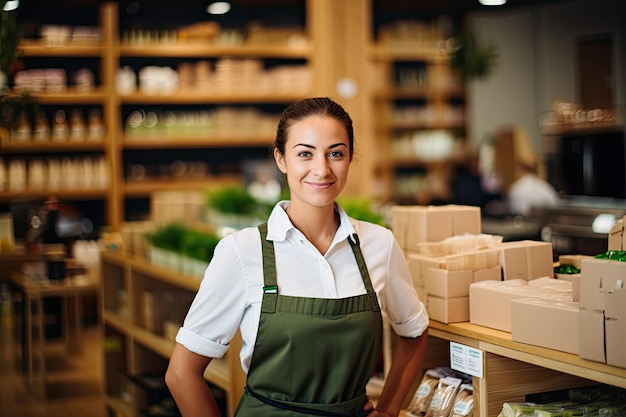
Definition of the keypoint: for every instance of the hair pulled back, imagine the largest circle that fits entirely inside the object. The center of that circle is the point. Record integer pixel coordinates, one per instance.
(315, 106)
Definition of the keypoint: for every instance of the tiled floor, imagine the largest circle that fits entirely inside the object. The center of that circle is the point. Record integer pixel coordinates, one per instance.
(73, 384)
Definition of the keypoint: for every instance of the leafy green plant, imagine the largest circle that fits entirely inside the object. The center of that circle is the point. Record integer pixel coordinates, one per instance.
(232, 200)
(168, 237)
(14, 104)
(473, 58)
(198, 245)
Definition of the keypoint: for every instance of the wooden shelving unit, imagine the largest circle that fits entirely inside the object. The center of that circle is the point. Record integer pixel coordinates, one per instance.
(512, 369)
(111, 52)
(128, 341)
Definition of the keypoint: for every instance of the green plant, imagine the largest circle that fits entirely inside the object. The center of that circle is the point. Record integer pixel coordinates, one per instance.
(232, 200)
(199, 245)
(12, 105)
(473, 58)
(169, 237)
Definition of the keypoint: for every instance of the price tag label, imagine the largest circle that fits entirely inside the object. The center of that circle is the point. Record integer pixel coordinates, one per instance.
(466, 359)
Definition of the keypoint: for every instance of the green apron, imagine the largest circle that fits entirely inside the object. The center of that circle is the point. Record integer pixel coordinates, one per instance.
(313, 356)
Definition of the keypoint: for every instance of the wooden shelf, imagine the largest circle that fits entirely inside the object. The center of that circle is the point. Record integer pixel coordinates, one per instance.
(512, 369)
(78, 50)
(211, 98)
(51, 146)
(144, 188)
(390, 53)
(200, 49)
(212, 139)
(61, 194)
(135, 275)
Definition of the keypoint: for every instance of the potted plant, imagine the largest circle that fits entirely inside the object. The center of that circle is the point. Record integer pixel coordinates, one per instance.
(233, 207)
(11, 105)
(165, 244)
(473, 58)
(197, 248)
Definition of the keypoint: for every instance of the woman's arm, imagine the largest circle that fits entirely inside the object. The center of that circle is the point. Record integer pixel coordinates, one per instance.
(185, 380)
(408, 357)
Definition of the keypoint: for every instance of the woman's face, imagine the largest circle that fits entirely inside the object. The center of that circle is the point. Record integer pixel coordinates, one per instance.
(316, 160)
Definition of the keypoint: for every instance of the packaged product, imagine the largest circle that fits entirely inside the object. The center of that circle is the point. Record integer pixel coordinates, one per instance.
(425, 391)
(463, 405)
(441, 402)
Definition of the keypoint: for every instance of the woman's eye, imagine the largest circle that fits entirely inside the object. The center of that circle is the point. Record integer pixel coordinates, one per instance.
(304, 154)
(336, 154)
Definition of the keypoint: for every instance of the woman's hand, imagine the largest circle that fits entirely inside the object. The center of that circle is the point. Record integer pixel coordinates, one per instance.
(369, 409)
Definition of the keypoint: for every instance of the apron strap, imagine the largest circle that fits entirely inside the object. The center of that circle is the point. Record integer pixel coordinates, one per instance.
(355, 244)
(270, 286)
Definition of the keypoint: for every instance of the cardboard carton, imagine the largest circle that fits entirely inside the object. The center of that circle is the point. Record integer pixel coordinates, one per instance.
(616, 236)
(526, 259)
(492, 273)
(490, 301)
(448, 310)
(415, 224)
(448, 284)
(591, 335)
(615, 325)
(575, 260)
(545, 322)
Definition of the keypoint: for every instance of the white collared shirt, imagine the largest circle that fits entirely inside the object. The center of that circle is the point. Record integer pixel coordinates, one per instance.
(232, 288)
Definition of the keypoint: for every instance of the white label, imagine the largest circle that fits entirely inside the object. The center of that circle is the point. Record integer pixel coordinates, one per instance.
(466, 359)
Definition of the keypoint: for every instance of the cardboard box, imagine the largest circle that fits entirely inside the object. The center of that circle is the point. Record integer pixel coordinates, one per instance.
(493, 273)
(490, 301)
(591, 335)
(526, 259)
(448, 284)
(544, 322)
(597, 276)
(615, 326)
(418, 265)
(553, 283)
(575, 260)
(616, 236)
(415, 224)
(448, 310)
(477, 260)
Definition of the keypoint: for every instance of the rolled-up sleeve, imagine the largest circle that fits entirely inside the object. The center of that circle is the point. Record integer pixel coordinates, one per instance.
(405, 311)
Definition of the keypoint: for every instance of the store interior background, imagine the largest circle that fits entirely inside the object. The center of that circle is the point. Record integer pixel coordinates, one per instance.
(537, 64)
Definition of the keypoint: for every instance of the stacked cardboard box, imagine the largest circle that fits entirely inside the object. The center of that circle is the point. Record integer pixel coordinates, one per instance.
(441, 271)
(602, 321)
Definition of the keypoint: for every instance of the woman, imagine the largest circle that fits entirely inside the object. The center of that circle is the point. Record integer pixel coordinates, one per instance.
(306, 289)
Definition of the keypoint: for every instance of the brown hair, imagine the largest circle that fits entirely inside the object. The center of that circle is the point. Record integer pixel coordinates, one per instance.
(321, 106)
